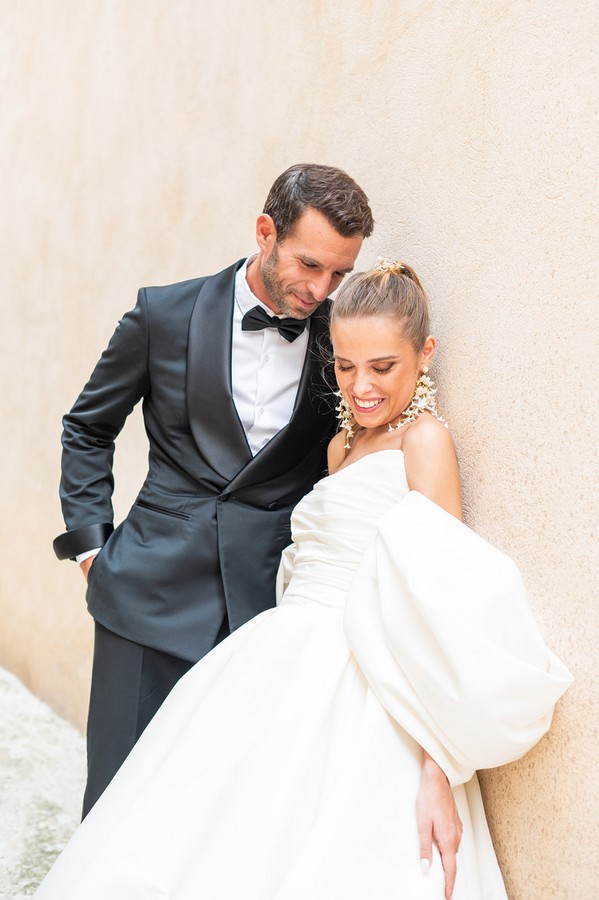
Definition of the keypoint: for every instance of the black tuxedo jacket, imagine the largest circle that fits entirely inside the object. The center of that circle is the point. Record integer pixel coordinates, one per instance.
(205, 534)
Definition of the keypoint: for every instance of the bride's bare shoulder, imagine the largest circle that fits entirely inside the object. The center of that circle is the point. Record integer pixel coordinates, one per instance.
(431, 463)
(428, 434)
(336, 452)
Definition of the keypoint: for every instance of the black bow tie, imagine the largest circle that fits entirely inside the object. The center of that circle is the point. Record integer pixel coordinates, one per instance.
(257, 318)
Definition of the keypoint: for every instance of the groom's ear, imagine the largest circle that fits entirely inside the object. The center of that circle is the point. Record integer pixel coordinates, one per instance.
(266, 232)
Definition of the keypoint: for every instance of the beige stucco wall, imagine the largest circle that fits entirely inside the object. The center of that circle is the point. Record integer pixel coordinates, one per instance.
(137, 142)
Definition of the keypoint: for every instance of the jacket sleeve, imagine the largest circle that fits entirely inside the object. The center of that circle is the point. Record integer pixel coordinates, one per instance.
(118, 382)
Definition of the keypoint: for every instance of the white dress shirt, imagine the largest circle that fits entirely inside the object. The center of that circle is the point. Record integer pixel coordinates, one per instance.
(265, 373)
(266, 370)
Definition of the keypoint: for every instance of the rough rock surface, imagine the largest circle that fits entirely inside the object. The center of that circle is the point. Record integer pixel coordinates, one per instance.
(42, 774)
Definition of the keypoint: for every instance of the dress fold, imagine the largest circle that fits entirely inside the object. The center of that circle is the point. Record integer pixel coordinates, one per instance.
(440, 623)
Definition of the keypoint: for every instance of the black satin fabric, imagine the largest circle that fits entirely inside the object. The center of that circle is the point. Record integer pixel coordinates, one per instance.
(204, 537)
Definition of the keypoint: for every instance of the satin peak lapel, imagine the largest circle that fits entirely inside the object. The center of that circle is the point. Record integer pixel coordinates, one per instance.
(213, 418)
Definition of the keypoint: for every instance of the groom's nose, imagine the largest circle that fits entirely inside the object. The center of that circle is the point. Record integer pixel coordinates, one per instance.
(319, 285)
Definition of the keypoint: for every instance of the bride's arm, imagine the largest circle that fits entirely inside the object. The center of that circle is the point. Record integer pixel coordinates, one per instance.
(431, 464)
(432, 470)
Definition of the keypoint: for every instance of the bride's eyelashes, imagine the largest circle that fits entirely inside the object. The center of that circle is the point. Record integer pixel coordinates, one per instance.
(378, 371)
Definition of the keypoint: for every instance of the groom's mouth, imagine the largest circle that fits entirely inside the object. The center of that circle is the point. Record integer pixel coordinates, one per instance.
(306, 303)
(367, 406)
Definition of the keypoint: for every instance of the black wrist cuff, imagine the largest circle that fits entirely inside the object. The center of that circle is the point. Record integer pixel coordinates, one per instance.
(72, 543)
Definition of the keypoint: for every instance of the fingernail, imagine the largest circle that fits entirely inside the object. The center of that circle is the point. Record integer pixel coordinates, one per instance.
(425, 865)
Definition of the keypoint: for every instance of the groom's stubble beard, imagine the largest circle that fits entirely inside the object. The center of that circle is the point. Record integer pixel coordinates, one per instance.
(273, 285)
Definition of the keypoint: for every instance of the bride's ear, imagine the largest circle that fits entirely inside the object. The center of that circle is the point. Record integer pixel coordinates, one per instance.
(428, 351)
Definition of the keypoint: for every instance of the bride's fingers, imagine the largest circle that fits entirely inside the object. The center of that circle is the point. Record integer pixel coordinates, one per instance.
(448, 858)
(425, 836)
(448, 848)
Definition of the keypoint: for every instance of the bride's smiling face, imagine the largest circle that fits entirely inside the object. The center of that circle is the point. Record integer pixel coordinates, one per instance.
(377, 367)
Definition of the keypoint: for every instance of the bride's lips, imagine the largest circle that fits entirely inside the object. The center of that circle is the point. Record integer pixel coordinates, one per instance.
(371, 407)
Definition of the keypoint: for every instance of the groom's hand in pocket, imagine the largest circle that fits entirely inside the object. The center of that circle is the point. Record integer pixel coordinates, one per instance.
(86, 565)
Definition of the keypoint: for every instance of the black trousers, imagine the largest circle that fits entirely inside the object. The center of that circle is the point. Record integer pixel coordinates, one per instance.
(129, 684)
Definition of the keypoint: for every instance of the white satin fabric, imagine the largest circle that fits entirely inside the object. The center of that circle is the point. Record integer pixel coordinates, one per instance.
(285, 765)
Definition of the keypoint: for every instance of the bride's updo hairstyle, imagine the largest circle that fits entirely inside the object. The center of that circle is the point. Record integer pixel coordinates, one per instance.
(391, 289)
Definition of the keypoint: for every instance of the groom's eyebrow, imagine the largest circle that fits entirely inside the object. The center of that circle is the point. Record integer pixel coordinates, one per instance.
(314, 262)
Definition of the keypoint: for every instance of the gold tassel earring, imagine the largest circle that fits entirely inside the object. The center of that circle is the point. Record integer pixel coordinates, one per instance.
(346, 419)
(422, 401)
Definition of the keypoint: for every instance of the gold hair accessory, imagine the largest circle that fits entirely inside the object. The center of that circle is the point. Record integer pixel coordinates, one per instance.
(422, 401)
(384, 264)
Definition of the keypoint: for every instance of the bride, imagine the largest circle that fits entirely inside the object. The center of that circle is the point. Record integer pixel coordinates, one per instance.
(305, 757)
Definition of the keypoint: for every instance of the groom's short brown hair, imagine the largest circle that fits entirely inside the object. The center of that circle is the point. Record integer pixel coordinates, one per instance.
(329, 190)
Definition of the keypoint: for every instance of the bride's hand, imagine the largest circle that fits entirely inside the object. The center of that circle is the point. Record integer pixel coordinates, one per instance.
(438, 820)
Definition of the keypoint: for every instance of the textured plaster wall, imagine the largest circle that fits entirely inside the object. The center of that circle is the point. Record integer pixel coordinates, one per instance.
(137, 143)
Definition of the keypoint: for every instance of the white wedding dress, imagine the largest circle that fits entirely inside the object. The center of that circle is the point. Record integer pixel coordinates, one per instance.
(285, 765)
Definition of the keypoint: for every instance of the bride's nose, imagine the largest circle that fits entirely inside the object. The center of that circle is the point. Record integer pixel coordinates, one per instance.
(362, 384)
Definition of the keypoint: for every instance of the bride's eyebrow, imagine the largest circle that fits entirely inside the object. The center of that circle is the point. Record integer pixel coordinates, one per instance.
(376, 358)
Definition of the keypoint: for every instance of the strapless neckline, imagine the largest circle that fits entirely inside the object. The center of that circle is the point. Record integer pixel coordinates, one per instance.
(362, 458)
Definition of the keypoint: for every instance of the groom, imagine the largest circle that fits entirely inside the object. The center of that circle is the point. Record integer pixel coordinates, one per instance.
(228, 368)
